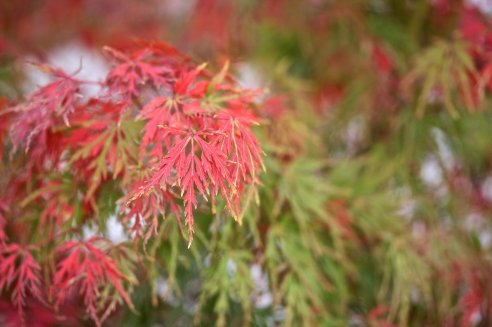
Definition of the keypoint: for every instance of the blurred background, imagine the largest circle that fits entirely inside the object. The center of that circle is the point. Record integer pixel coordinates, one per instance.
(376, 205)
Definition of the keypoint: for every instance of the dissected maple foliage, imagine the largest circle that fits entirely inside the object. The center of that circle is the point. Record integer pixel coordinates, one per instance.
(44, 110)
(164, 133)
(154, 64)
(204, 126)
(90, 271)
(19, 273)
(97, 188)
(104, 143)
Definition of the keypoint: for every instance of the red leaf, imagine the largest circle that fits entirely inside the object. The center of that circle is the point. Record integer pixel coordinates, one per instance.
(20, 272)
(44, 110)
(204, 124)
(145, 210)
(193, 172)
(152, 65)
(87, 269)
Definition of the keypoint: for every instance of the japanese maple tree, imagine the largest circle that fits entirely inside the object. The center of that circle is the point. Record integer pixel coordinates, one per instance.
(145, 186)
(166, 133)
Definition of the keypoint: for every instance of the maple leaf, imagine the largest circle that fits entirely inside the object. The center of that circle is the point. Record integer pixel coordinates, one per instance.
(444, 67)
(243, 152)
(153, 64)
(143, 212)
(205, 127)
(56, 197)
(19, 271)
(472, 301)
(160, 111)
(478, 33)
(45, 109)
(188, 103)
(171, 110)
(104, 142)
(92, 273)
(198, 167)
(241, 144)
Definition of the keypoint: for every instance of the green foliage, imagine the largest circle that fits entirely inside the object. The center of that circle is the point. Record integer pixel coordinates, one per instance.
(374, 208)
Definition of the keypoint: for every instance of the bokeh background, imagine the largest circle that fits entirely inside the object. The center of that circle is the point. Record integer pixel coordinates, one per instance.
(376, 205)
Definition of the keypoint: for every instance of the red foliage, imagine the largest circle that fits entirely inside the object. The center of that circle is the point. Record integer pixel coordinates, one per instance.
(196, 144)
(36, 315)
(154, 64)
(377, 317)
(35, 118)
(205, 128)
(383, 61)
(20, 273)
(96, 142)
(146, 210)
(88, 270)
(210, 17)
(477, 31)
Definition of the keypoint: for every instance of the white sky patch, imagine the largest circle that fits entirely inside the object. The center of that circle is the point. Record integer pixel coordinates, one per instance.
(407, 209)
(473, 222)
(485, 6)
(433, 96)
(279, 314)
(207, 261)
(444, 150)
(354, 134)
(476, 317)
(165, 292)
(231, 268)
(487, 188)
(415, 294)
(485, 237)
(71, 57)
(408, 204)
(178, 8)
(431, 172)
(115, 230)
(89, 231)
(262, 296)
(249, 76)
(477, 223)
(419, 230)
(34, 77)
